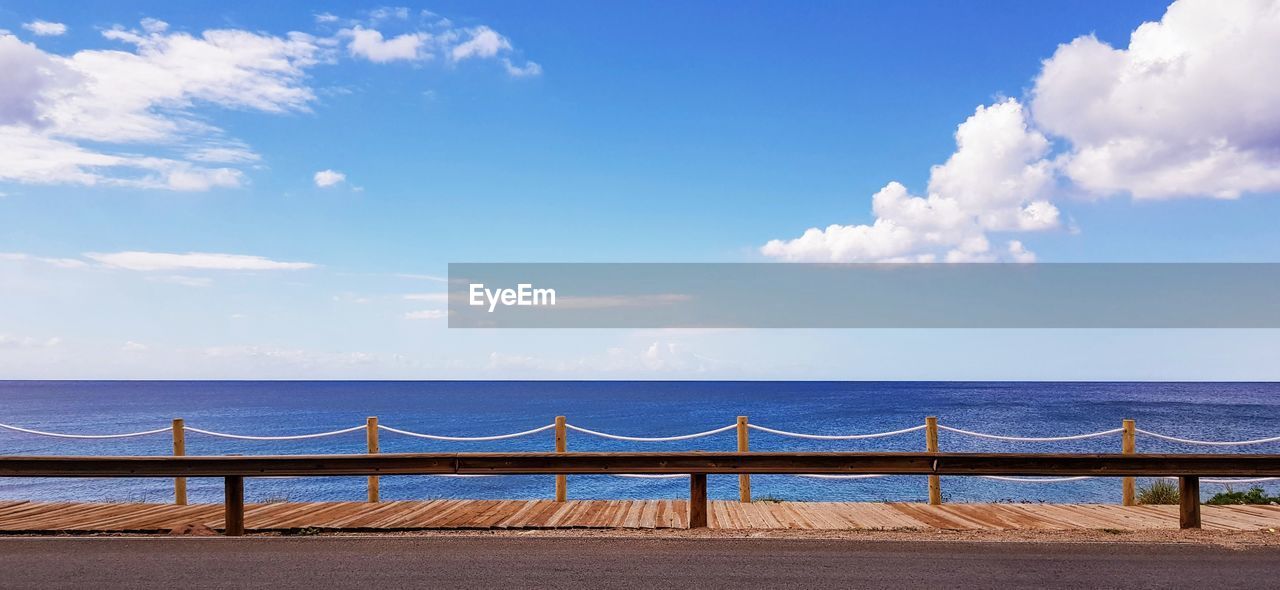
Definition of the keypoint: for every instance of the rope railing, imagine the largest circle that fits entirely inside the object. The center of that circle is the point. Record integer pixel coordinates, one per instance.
(94, 436)
(1211, 443)
(650, 438)
(466, 438)
(835, 436)
(573, 427)
(1031, 438)
(278, 437)
(1129, 433)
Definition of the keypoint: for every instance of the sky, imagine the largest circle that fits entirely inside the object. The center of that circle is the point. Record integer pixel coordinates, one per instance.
(274, 190)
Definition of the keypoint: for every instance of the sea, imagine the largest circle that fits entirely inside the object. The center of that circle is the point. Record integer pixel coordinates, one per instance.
(1204, 411)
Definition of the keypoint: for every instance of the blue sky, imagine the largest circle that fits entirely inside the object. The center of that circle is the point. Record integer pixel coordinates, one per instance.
(515, 131)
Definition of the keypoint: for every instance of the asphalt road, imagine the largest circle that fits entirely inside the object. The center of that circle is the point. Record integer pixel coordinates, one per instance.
(392, 563)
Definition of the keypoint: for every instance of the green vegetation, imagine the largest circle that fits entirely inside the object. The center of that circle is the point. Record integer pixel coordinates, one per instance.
(1255, 495)
(1159, 491)
(768, 499)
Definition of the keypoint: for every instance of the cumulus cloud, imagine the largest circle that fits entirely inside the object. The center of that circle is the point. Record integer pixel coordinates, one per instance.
(997, 180)
(163, 261)
(1189, 108)
(57, 113)
(484, 42)
(370, 44)
(44, 28)
(329, 178)
(440, 39)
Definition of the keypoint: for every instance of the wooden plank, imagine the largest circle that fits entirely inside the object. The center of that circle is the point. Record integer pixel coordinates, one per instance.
(488, 514)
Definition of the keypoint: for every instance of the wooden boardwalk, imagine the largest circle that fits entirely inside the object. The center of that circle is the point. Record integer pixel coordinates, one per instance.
(22, 516)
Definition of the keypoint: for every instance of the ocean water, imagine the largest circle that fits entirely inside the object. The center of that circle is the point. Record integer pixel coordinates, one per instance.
(1212, 411)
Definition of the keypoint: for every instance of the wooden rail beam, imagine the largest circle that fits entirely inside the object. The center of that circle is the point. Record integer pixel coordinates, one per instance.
(1009, 464)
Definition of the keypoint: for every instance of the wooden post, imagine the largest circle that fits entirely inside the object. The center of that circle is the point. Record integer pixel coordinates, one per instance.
(1128, 446)
(931, 445)
(744, 480)
(562, 481)
(179, 450)
(1189, 502)
(371, 436)
(233, 510)
(698, 501)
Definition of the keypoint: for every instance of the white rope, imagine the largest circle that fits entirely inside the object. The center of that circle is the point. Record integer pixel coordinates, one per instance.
(466, 438)
(835, 436)
(1231, 481)
(1032, 438)
(286, 437)
(1212, 443)
(649, 438)
(860, 476)
(1036, 479)
(649, 475)
(62, 435)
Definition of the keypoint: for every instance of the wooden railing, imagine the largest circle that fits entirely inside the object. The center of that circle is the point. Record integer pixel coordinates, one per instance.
(1188, 468)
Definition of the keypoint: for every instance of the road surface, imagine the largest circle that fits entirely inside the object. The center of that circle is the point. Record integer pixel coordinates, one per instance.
(392, 563)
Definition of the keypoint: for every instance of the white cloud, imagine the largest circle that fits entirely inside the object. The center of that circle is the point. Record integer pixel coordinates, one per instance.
(484, 42)
(44, 28)
(528, 69)
(132, 346)
(329, 178)
(1189, 108)
(369, 44)
(134, 115)
(997, 180)
(442, 39)
(325, 17)
(85, 118)
(162, 261)
(426, 314)
(389, 13)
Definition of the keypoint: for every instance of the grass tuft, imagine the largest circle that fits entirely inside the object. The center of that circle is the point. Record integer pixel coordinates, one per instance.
(1159, 491)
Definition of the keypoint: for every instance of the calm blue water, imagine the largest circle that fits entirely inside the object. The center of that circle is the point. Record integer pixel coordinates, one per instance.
(1213, 411)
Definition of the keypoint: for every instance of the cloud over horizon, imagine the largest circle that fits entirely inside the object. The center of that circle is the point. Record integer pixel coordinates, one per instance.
(1189, 109)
